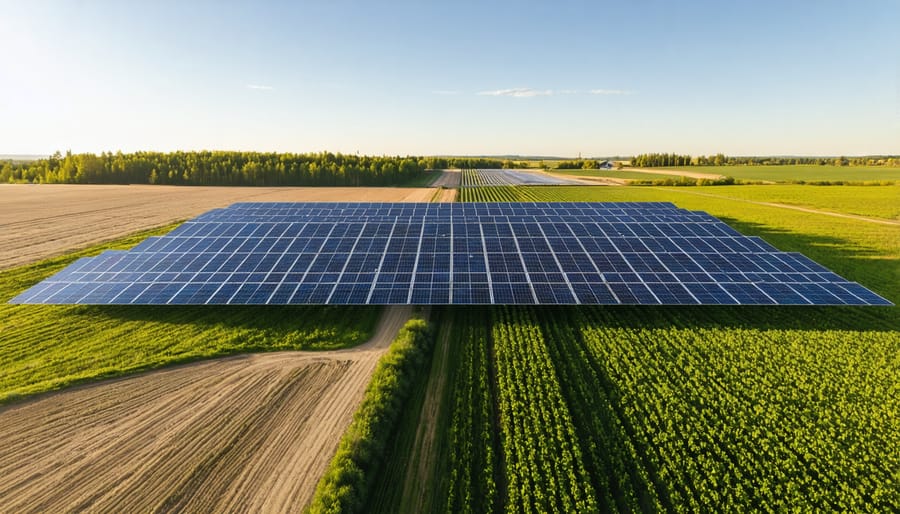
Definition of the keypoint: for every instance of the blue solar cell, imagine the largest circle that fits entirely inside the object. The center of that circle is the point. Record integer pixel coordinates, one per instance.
(747, 294)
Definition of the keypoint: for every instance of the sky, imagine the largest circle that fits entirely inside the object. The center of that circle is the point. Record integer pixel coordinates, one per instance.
(595, 78)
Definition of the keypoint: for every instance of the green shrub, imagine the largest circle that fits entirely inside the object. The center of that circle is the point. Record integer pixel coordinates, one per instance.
(348, 479)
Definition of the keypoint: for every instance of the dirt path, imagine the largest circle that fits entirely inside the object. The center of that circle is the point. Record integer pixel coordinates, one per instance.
(420, 469)
(250, 433)
(40, 221)
(447, 196)
(792, 207)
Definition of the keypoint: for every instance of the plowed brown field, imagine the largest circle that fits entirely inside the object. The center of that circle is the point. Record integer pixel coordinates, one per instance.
(39, 221)
(247, 433)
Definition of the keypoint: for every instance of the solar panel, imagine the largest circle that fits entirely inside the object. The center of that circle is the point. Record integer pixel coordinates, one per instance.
(416, 253)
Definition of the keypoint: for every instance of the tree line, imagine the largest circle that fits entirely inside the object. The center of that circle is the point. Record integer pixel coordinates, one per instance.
(220, 168)
(650, 160)
(579, 164)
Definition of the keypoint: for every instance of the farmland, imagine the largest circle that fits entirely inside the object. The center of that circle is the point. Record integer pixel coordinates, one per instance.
(614, 173)
(186, 436)
(542, 409)
(46, 220)
(801, 172)
(669, 409)
(676, 409)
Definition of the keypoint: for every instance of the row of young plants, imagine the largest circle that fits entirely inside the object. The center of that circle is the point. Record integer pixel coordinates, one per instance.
(544, 464)
(470, 178)
(495, 194)
(472, 459)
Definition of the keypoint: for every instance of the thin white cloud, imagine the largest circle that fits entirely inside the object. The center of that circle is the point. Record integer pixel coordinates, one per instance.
(518, 92)
(611, 92)
(445, 92)
(259, 87)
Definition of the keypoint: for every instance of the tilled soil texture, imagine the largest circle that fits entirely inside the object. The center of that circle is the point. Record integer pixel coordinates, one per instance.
(246, 433)
(40, 221)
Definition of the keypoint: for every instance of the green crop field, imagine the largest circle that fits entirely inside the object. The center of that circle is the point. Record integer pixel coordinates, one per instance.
(684, 409)
(43, 348)
(876, 202)
(800, 172)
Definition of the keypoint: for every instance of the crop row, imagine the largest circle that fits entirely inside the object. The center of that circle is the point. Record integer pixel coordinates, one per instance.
(544, 465)
(472, 458)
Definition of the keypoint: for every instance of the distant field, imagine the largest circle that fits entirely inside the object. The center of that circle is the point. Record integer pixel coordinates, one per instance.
(40, 221)
(877, 202)
(804, 172)
(618, 174)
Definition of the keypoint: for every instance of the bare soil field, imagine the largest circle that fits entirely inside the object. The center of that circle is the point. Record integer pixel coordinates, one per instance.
(246, 433)
(40, 221)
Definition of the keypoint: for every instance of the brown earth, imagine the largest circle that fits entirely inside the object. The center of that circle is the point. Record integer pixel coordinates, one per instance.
(40, 221)
(246, 433)
(447, 195)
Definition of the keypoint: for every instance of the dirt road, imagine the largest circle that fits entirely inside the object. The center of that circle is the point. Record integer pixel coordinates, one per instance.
(248, 433)
(39, 221)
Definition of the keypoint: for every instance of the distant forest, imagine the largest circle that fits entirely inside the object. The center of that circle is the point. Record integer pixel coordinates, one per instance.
(651, 160)
(231, 169)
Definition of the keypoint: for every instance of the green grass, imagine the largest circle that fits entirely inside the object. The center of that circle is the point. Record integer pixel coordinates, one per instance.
(422, 180)
(876, 202)
(48, 347)
(801, 172)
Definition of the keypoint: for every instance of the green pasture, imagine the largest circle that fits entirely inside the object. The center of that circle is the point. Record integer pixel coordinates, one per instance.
(801, 172)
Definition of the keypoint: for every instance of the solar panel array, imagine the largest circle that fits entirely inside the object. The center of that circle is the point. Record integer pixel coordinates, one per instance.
(481, 178)
(478, 253)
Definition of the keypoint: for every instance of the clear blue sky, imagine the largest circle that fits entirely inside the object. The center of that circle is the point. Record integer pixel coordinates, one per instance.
(429, 77)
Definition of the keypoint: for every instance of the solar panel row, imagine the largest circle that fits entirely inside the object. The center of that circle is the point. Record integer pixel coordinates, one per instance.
(505, 253)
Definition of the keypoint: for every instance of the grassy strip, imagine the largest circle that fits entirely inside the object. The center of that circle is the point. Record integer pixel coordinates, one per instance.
(407, 451)
(48, 347)
(346, 484)
(424, 179)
